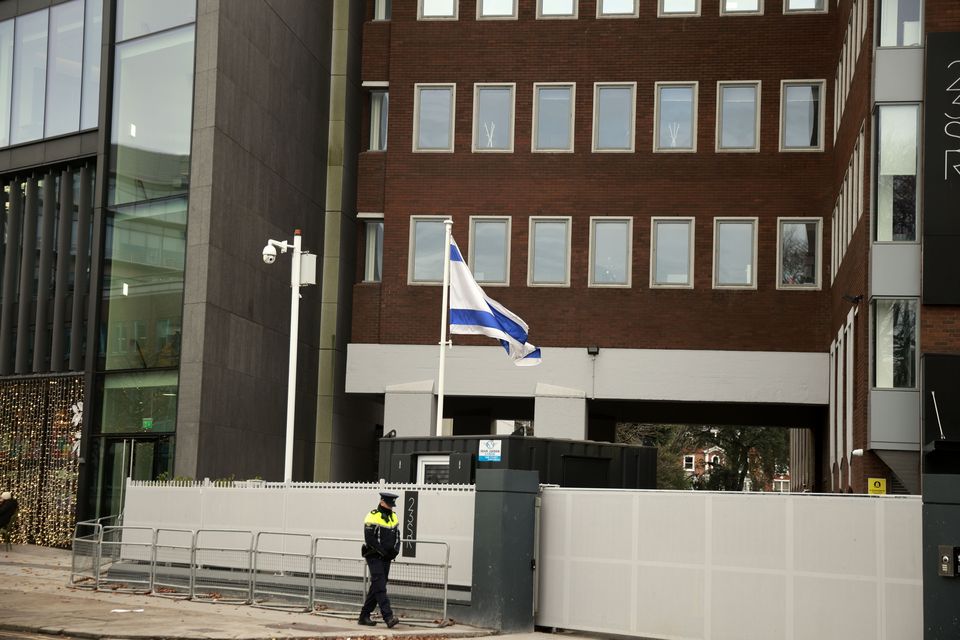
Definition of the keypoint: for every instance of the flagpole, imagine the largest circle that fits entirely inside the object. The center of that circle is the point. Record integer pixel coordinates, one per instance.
(447, 224)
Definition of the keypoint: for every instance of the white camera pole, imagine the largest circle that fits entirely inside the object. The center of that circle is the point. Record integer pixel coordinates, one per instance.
(292, 370)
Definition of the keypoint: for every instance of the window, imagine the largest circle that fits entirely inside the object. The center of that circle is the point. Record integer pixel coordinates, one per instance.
(614, 115)
(437, 10)
(781, 486)
(433, 117)
(502, 9)
(29, 64)
(556, 8)
(897, 131)
(672, 255)
(433, 469)
(679, 8)
(735, 253)
(549, 252)
(801, 115)
(382, 9)
(688, 463)
(798, 253)
(64, 69)
(790, 6)
(493, 117)
(676, 117)
(426, 249)
(895, 343)
(92, 30)
(379, 110)
(900, 23)
(610, 251)
(741, 6)
(617, 9)
(553, 117)
(137, 17)
(490, 249)
(738, 116)
(373, 250)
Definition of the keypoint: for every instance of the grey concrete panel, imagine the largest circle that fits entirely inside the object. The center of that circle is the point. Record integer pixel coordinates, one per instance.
(412, 412)
(894, 419)
(556, 417)
(898, 75)
(895, 269)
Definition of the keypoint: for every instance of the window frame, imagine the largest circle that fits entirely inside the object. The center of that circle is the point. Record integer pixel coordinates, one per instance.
(916, 342)
(656, 115)
(535, 118)
(874, 182)
(416, 115)
(374, 131)
(571, 16)
(691, 238)
(455, 16)
(758, 84)
(380, 11)
(693, 463)
(592, 252)
(366, 218)
(662, 13)
(412, 249)
(787, 10)
(603, 16)
(509, 247)
(477, 86)
(819, 253)
(879, 25)
(597, 86)
(568, 221)
(757, 12)
(512, 16)
(822, 115)
(431, 460)
(755, 223)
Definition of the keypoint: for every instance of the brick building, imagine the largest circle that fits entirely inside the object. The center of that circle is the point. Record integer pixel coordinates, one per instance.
(706, 211)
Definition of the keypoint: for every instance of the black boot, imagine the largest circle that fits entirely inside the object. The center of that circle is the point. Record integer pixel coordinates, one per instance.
(365, 621)
(392, 621)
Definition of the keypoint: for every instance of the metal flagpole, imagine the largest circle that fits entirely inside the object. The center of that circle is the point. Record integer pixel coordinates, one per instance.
(292, 365)
(447, 224)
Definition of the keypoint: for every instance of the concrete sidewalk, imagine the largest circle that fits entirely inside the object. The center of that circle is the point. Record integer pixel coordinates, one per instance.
(35, 598)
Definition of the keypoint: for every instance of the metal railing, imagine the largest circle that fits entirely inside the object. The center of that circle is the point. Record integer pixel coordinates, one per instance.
(288, 571)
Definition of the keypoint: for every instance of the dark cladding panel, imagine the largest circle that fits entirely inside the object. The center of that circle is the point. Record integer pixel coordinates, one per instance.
(941, 224)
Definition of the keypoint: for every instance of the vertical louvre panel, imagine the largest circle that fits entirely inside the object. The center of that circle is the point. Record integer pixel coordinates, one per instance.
(10, 264)
(28, 260)
(64, 228)
(81, 264)
(41, 338)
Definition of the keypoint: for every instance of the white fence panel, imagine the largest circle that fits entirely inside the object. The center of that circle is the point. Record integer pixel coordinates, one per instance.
(445, 513)
(720, 566)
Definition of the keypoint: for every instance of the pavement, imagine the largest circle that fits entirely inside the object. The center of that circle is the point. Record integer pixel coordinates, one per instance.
(35, 602)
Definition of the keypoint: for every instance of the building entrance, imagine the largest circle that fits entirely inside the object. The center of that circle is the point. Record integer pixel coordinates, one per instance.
(134, 457)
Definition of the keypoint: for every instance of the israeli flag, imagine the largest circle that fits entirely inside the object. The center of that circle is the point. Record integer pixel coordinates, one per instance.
(472, 312)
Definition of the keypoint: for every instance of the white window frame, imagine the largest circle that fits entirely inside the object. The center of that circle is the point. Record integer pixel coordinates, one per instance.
(822, 115)
(725, 12)
(656, 115)
(379, 10)
(755, 222)
(434, 460)
(568, 220)
(470, 258)
(536, 105)
(787, 10)
(879, 16)
(455, 16)
(597, 86)
(592, 252)
(477, 86)
(411, 251)
(756, 118)
(369, 217)
(634, 14)
(572, 16)
(693, 463)
(691, 226)
(375, 122)
(819, 254)
(916, 342)
(416, 114)
(661, 13)
(512, 16)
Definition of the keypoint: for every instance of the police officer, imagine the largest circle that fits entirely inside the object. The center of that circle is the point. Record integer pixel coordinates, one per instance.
(381, 532)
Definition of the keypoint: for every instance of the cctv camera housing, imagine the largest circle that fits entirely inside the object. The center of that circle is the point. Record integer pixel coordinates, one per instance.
(269, 254)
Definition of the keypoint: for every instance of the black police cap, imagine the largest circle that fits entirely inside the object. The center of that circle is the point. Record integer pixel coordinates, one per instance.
(389, 498)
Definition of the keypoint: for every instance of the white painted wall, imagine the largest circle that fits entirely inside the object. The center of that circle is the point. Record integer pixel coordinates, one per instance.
(715, 566)
(327, 510)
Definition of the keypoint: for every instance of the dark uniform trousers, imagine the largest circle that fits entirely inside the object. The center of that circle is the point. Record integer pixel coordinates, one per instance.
(377, 596)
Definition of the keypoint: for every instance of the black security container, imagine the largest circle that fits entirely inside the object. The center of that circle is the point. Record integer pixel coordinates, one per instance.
(567, 463)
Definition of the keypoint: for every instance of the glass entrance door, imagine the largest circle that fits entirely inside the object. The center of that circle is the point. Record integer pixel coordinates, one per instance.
(131, 457)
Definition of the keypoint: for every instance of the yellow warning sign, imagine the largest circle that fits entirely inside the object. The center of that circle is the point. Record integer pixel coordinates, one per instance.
(877, 486)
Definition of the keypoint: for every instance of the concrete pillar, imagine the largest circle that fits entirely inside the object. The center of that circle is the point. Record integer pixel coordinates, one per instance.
(559, 412)
(411, 409)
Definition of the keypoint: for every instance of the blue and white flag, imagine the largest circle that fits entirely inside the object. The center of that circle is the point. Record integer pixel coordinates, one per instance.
(472, 312)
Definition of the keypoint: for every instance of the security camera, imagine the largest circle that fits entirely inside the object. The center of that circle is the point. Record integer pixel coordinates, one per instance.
(269, 254)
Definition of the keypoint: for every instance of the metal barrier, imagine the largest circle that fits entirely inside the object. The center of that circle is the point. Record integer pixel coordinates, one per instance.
(339, 576)
(126, 559)
(222, 566)
(282, 575)
(173, 563)
(85, 558)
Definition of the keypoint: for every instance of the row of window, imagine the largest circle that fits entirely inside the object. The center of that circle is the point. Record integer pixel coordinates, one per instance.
(614, 117)
(610, 252)
(849, 207)
(849, 54)
(554, 9)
